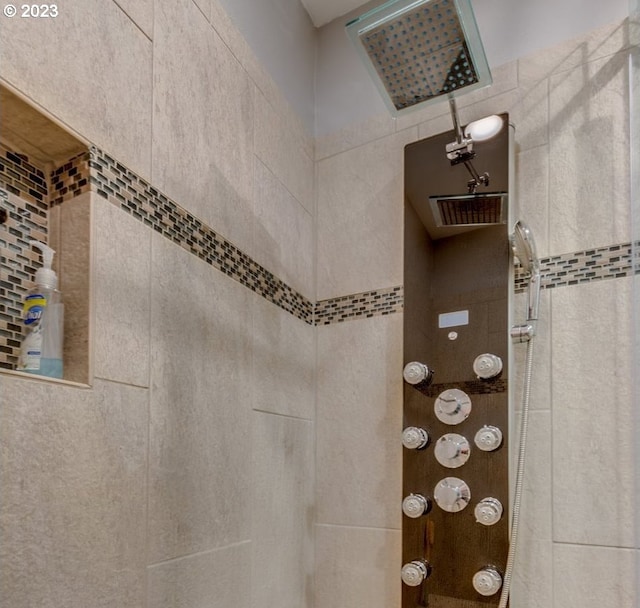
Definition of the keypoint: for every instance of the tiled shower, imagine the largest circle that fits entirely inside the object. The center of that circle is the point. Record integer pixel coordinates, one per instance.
(239, 443)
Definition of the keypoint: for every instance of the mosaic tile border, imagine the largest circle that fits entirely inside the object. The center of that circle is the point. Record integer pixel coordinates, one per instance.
(359, 305)
(23, 179)
(113, 181)
(70, 179)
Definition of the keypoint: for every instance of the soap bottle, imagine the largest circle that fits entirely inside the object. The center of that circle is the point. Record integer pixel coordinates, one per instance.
(43, 318)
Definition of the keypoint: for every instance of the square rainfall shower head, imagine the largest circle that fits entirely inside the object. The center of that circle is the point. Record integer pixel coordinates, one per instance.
(421, 50)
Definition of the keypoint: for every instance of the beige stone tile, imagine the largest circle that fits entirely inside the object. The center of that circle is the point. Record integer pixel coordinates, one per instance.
(570, 54)
(357, 567)
(359, 422)
(283, 352)
(122, 295)
(200, 446)
(589, 156)
(593, 440)
(203, 122)
(216, 579)
(353, 136)
(283, 514)
(73, 499)
(532, 581)
(74, 259)
(91, 69)
(279, 147)
(593, 577)
(530, 202)
(360, 215)
(205, 7)
(140, 12)
(283, 239)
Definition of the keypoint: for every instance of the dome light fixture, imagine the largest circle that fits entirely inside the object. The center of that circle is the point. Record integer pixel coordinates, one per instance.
(484, 129)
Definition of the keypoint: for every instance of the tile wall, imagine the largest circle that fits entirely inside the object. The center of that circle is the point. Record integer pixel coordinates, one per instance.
(224, 436)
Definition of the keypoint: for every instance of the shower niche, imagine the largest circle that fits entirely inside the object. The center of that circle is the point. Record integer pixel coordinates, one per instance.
(457, 277)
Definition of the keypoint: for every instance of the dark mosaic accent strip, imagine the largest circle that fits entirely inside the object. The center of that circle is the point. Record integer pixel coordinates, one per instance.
(612, 262)
(471, 387)
(117, 184)
(359, 305)
(23, 179)
(70, 180)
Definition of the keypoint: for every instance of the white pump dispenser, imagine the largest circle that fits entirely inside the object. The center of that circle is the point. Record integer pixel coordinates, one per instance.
(43, 313)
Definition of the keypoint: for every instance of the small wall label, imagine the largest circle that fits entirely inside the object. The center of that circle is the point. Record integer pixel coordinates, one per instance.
(453, 319)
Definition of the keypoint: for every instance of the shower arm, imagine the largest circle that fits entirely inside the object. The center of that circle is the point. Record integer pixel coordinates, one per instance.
(461, 151)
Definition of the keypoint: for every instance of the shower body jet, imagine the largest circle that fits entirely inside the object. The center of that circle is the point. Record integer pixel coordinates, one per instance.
(524, 249)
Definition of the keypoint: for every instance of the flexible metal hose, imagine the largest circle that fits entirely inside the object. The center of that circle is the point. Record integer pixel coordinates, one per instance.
(517, 499)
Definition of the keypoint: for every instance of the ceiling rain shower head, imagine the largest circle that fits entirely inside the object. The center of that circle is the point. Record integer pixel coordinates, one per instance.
(421, 50)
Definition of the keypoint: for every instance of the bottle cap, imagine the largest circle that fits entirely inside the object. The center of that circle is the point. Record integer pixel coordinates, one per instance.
(45, 275)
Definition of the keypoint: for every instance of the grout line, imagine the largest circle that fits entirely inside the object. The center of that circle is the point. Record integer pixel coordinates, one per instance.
(197, 554)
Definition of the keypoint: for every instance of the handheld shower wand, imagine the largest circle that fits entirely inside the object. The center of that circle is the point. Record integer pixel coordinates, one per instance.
(524, 249)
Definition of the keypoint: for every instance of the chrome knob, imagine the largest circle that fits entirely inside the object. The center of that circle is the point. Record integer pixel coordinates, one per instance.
(488, 511)
(414, 438)
(415, 505)
(452, 494)
(415, 573)
(487, 581)
(488, 438)
(417, 374)
(452, 450)
(452, 406)
(487, 366)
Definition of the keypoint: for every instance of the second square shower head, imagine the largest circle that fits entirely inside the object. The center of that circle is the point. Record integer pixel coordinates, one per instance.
(421, 50)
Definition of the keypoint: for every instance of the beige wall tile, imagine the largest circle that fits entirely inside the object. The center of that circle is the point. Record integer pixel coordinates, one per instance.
(202, 122)
(589, 156)
(359, 422)
(283, 355)
(91, 69)
(281, 149)
(532, 581)
(140, 12)
(283, 511)
(74, 259)
(73, 498)
(215, 579)
(122, 295)
(357, 567)
(592, 414)
(593, 577)
(283, 239)
(360, 203)
(200, 446)
(353, 136)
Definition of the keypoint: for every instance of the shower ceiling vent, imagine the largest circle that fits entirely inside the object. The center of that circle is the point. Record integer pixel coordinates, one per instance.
(418, 51)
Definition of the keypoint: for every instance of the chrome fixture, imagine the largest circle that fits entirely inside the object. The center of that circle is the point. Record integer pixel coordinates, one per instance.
(417, 374)
(416, 505)
(488, 511)
(487, 581)
(452, 450)
(415, 438)
(479, 209)
(452, 494)
(488, 438)
(416, 572)
(417, 51)
(524, 249)
(487, 366)
(452, 406)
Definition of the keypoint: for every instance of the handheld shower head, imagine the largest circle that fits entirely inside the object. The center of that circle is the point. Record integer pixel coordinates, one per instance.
(524, 249)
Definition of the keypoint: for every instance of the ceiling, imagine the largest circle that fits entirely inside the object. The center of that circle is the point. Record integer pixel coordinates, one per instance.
(324, 11)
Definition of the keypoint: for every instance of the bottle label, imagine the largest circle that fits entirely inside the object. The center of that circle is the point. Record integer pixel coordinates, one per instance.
(31, 351)
(33, 308)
